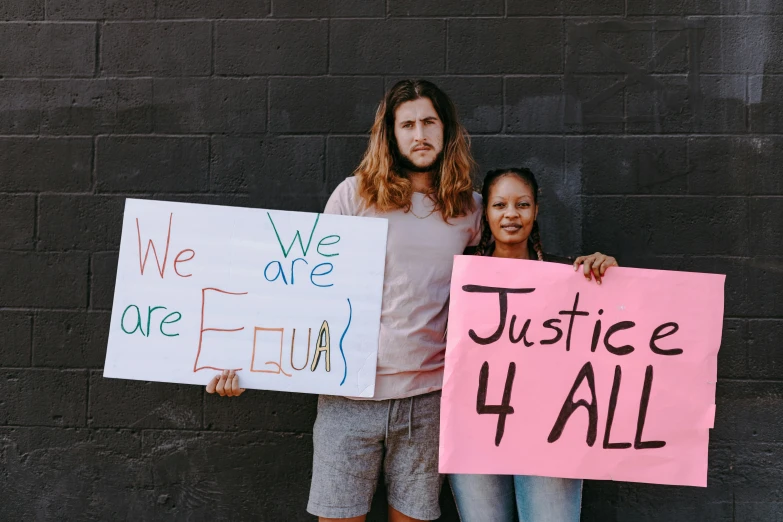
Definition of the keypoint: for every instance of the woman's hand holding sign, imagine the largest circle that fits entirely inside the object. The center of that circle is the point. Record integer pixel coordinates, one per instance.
(226, 384)
(595, 264)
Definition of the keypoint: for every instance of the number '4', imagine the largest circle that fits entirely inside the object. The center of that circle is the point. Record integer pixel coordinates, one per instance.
(505, 407)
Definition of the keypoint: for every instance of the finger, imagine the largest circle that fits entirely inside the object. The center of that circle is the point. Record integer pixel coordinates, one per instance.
(579, 260)
(221, 385)
(597, 269)
(588, 267)
(236, 391)
(230, 383)
(609, 261)
(212, 384)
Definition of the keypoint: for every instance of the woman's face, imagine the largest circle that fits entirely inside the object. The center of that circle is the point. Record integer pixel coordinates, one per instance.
(511, 210)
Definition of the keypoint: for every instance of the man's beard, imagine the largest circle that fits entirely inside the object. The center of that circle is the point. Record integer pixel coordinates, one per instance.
(404, 163)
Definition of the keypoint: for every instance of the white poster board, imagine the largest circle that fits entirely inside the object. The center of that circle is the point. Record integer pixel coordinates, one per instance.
(290, 300)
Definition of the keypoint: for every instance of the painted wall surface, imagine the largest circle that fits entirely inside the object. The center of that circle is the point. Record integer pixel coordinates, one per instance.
(655, 128)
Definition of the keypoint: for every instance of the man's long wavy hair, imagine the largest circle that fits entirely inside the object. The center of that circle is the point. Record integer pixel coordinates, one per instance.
(381, 179)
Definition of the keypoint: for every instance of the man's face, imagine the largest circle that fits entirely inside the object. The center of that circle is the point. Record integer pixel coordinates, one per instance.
(419, 134)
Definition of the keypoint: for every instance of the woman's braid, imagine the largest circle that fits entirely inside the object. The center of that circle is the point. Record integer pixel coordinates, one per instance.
(535, 239)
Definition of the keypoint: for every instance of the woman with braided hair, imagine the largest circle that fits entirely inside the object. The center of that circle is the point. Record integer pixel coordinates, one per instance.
(510, 230)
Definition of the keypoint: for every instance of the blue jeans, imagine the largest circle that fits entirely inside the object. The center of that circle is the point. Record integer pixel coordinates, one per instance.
(503, 498)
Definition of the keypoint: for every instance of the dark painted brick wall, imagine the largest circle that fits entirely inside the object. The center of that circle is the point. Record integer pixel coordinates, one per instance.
(654, 126)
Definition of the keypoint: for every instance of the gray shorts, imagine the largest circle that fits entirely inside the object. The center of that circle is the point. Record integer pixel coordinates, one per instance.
(354, 440)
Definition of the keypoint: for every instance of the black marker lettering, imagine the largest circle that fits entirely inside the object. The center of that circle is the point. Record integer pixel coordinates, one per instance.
(522, 334)
(612, 407)
(657, 334)
(505, 407)
(618, 350)
(569, 407)
(596, 333)
(573, 313)
(637, 443)
(503, 300)
(550, 323)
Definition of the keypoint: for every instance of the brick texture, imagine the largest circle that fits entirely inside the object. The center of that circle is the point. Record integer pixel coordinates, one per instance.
(654, 128)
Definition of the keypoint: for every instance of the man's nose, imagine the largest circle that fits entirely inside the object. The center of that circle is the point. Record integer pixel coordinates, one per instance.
(418, 133)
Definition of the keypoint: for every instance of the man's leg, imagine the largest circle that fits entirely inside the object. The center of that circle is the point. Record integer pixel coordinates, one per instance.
(411, 463)
(353, 519)
(347, 455)
(396, 516)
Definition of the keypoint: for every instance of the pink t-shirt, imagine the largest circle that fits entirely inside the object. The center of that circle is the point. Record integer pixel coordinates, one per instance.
(419, 255)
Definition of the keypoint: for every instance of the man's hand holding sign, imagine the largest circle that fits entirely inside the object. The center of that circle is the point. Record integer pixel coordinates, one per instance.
(225, 384)
(549, 375)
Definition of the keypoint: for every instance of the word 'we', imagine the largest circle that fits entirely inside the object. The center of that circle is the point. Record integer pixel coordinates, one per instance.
(274, 269)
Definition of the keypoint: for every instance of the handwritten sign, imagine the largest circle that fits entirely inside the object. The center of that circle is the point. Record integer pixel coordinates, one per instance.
(549, 374)
(290, 300)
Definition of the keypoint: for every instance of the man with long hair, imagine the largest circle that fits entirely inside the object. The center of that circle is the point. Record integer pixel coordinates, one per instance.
(416, 173)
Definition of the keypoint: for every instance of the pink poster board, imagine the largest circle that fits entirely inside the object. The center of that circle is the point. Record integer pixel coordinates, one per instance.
(553, 392)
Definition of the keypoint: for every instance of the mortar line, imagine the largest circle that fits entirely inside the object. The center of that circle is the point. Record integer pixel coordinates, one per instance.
(581, 18)
(446, 47)
(98, 36)
(185, 430)
(354, 75)
(87, 402)
(209, 164)
(747, 104)
(36, 226)
(89, 282)
(213, 31)
(32, 341)
(734, 501)
(502, 103)
(94, 166)
(328, 47)
(268, 106)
